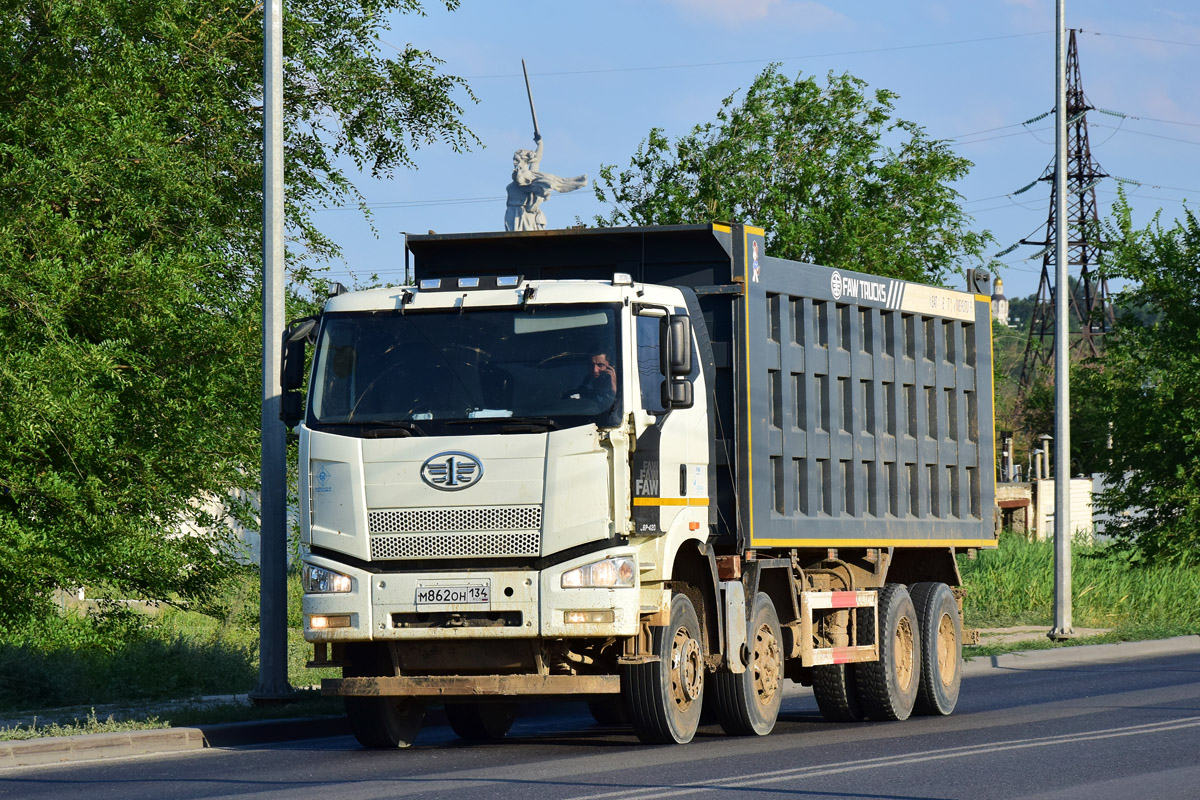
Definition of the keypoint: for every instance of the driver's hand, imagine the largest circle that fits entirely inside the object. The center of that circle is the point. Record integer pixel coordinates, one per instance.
(608, 370)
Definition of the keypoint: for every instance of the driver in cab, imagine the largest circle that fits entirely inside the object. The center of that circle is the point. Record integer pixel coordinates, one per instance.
(599, 385)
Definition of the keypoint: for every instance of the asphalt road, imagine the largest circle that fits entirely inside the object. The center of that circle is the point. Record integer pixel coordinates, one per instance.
(1095, 731)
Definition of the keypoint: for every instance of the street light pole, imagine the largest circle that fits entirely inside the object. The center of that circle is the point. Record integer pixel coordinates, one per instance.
(272, 670)
(1062, 370)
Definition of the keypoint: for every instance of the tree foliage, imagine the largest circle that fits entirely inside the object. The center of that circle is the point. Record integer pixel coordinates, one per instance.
(1147, 387)
(828, 171)
(130, 245)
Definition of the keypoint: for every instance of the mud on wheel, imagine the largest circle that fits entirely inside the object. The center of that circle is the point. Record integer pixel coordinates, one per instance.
(941, 648)
(888, 687)
(748, 702)
(664, 697)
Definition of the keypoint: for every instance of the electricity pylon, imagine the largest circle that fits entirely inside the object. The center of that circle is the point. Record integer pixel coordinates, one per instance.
(1089, 302)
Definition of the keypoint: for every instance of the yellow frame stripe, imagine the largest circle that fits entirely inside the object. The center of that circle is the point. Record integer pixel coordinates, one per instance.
(670, 501)
(802, 543)
(992, 378)
(749, 411)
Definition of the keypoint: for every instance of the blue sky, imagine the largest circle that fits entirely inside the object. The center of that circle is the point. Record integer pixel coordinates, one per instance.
(604, 73)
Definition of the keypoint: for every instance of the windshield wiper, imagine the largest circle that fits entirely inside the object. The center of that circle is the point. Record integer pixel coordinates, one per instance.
(400, 427)
(512, 424)
(380, 429)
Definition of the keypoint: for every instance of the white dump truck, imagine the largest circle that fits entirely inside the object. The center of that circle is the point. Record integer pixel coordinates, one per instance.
(654, 469)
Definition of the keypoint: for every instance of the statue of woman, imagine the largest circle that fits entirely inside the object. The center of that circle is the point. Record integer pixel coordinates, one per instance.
(530, 187)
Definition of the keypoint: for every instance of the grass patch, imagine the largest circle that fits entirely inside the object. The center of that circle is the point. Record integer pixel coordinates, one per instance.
(118, 654)
(173, 715)
(89, 724)
(1014, 585)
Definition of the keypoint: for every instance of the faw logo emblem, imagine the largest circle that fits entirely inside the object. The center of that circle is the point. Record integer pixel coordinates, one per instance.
(451, 471)
(835, 285)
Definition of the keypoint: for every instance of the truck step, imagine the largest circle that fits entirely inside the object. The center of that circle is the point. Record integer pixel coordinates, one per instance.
(811, 656)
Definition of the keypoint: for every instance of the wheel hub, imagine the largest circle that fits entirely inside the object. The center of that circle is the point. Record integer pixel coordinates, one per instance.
(766, 664)
(947, 652)
(687, 668)
(904, 653)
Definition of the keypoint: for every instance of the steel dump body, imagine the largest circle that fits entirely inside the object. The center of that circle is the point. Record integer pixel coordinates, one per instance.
(846, 410)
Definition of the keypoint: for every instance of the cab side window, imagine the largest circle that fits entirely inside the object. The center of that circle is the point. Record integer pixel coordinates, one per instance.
(649, 360)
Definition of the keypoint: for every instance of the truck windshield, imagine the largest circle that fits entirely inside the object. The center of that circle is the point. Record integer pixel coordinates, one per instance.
(529, 368)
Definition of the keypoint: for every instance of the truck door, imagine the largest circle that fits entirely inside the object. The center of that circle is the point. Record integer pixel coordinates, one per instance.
(669, 463)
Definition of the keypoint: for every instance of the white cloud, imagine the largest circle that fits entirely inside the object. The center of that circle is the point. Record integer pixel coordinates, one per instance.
(800, 14)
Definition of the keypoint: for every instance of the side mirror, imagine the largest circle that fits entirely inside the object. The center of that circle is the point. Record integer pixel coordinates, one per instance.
(291, 369)
(679, 347)
(677, 393)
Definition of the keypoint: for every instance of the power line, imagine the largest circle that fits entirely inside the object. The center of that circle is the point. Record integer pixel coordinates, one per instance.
(449, 201)
(1152, 185)
(1166, 121)
(1005, 136)
(1151, 135)
(985, 130)
(1142, 38)
(997, 208)
(1143, 196)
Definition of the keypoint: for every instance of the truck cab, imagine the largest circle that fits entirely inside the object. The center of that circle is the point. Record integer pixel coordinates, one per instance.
(467, 450)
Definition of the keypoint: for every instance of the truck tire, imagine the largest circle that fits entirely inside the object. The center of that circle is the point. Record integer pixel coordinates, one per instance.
(379, 722)
(480, 722)
(748, 702)
(663, 698)
(609, 711)
(888, 687)
(836, 690)
(941, 648)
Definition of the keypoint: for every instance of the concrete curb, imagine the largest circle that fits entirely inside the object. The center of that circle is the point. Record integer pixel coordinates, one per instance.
(1082, 655)
(91, 747)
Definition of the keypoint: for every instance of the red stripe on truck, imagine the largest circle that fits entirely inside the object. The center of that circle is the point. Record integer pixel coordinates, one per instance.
(843, 600)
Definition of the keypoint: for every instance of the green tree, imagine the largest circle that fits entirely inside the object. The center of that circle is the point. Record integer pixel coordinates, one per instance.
(130, 245)
(1147, 387)
(830, 174)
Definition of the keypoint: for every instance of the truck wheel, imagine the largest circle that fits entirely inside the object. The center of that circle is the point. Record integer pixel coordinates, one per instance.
(664, 697)
(380, 722)
(941, 648)
(836, 690)
(480, 722)
(610, 711)
(748, 702)
(888, 687)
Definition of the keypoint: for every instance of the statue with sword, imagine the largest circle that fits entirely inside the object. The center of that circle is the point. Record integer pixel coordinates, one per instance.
(530, 187)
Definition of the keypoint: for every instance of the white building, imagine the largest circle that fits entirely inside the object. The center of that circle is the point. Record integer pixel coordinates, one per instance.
(999, 303)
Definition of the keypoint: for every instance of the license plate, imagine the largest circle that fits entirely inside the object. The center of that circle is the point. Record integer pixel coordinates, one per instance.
(470, 593)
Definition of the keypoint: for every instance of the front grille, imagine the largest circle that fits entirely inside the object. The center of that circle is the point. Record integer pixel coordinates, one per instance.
(454, 545)
(455, 532)
(497, 518)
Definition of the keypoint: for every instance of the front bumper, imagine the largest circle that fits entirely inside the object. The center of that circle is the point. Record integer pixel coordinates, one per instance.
(522, 604)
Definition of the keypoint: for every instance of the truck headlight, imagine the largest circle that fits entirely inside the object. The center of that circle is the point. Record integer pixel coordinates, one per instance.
(318, 580)
(609, 573)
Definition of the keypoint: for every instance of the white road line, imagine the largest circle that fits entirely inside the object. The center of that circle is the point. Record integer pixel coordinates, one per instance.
(818, 770)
